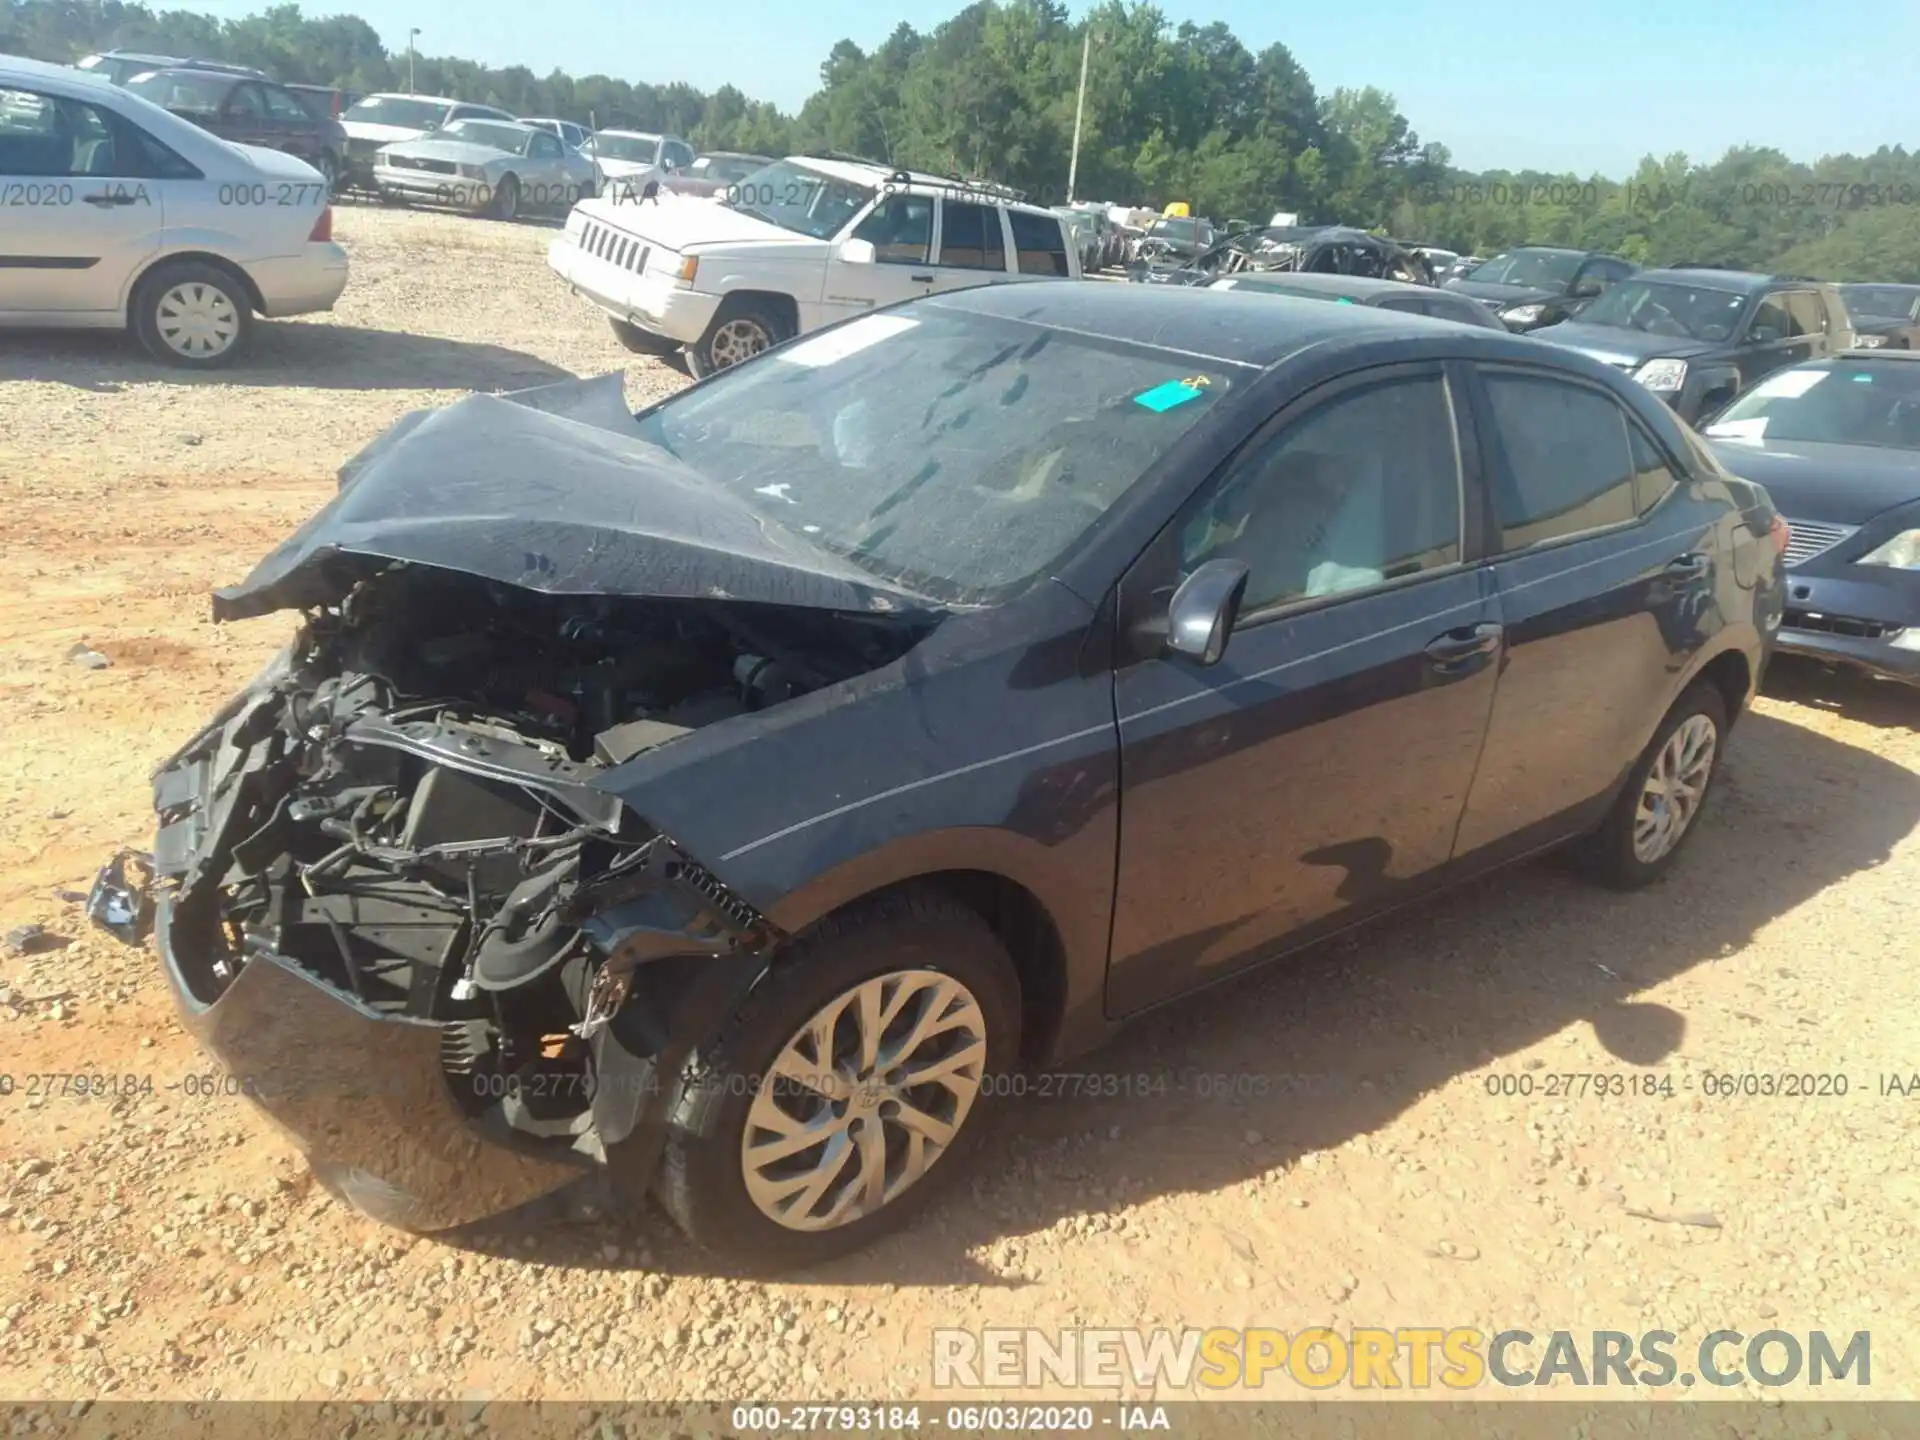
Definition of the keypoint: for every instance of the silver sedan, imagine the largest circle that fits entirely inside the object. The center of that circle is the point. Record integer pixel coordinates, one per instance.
(488, 167)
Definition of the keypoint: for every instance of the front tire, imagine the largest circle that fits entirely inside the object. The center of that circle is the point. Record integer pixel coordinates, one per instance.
(849, 1089)
(1659, 807)
(505, 204)
(192, 314)
(738, 333)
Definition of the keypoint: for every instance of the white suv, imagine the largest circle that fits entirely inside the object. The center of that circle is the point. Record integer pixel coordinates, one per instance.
(114, 212)
(799, 244)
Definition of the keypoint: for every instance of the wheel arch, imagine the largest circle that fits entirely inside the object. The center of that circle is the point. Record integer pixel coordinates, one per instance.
(1056, 931)
(255, 301)
(782, 304)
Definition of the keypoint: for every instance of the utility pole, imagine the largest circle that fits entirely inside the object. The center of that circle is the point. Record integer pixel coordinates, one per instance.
(410, 36)
(1079, 108)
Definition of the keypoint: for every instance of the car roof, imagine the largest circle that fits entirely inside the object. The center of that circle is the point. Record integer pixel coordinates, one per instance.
(429, 99)
(1854, 357)
(202, 72)
(1846, 285)
(39, 73)
(1355, 285)
(1238, 327)
(1711, 278)
(635, 134)
(868, 172)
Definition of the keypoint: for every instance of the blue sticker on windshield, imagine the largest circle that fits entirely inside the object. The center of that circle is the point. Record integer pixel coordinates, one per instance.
(1174, 392)
(1861, 379)
(1344, 300)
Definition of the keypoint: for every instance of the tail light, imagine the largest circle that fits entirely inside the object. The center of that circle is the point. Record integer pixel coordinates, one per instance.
(1782, 533)
(323, 227)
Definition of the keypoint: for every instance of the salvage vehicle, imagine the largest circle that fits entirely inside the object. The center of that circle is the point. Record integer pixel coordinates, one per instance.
(794, 246)
(571, 135)
(1357, 290)
(1698, 336)
(122, 215)
(1836, 443)
(715, 172)
(248, 112)
(120, 66)
(627, 161)
(1313, 249)
(1540, 285)
(1884, 315)
(376, 121)
(485, 167)
(725, 800)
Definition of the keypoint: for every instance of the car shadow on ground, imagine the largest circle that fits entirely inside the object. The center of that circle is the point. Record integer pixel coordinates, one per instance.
(1854, 694)
(1337, 1042)
(309, 354)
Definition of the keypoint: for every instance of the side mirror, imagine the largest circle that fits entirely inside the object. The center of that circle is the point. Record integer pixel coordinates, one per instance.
(858, 252)
(1587, 290)
(1203, 610)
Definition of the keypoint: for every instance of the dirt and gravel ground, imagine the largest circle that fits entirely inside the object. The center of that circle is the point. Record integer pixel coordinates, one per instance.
(1326, 1149)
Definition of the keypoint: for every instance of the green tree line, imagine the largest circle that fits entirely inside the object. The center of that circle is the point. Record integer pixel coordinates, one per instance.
(1181, 112)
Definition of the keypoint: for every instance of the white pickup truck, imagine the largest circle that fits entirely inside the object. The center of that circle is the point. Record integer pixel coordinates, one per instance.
(794, 246)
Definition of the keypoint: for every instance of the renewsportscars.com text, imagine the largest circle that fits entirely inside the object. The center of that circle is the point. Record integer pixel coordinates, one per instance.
(1455, 1358)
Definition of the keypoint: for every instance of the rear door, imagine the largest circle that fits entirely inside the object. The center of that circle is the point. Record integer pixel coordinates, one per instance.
(1317, 772)
(1603, 590)
(81, 211)
(973, 245)
(243, 118)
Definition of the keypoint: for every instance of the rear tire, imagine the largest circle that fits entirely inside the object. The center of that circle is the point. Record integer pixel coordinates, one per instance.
(934, 959)
(192, 314)
(1659, 807)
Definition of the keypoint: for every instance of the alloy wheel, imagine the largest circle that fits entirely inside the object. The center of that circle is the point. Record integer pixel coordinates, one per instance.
(864, 1099)
(196, 320)
(737, 340)
(1675, 784)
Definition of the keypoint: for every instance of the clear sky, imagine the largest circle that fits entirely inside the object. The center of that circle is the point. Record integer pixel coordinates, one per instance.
(1512, 83)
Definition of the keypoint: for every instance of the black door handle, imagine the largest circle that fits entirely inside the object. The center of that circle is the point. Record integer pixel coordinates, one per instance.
(109, 199)
(1690, 566)
(922, 279)
(1467, 642)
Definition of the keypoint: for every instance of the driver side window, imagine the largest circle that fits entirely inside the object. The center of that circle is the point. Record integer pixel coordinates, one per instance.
(1770, 322)
(1363, 490)
(901, 230)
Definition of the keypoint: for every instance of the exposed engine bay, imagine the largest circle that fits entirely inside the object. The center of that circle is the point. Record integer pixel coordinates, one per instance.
(404, 809)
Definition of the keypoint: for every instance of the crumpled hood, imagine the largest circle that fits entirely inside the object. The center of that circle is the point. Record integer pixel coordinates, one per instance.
(1619, 345)
(553, 490)
(383, 134)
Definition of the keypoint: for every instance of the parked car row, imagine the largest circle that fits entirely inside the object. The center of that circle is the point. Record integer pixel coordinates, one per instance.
(122, 215)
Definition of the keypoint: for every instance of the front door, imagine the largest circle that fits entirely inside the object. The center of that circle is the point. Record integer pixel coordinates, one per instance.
(1318, 771)
(900, 229)
(81, 218)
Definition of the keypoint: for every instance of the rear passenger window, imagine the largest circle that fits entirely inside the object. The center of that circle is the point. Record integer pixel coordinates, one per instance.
(970, 237)
(1563, 461)
(1041, 243)
(1363, 490)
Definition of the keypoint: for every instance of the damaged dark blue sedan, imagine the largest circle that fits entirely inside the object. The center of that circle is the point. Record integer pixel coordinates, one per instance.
(724, 801)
